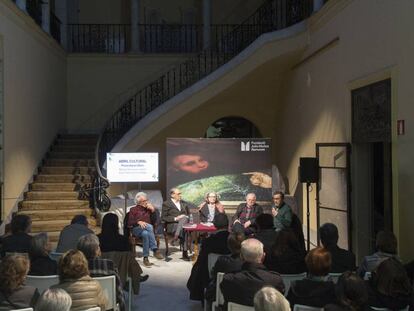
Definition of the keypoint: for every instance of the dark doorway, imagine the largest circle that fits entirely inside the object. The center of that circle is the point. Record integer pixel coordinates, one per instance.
(232, 127)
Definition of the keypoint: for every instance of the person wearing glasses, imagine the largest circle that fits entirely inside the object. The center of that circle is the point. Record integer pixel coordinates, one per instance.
(210, 207)
(175, 214)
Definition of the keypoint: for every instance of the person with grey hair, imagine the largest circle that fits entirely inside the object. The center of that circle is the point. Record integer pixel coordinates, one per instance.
(89, 246)
(40, 262)
(54, 299)
(245, 217)
(270, 299)
(240, 287)
(70, 235)
(141, 220)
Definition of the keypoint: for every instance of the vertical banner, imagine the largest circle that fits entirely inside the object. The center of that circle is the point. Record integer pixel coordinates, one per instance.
(231, 167)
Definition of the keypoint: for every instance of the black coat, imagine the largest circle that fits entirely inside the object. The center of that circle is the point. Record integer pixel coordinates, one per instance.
(311, 293)
(290, 262)
(379, 300)
(199, 278)
(204, 212)
(240, 287)
(170, 211)
(267, 237)
(342, 260)
(16, 243)
(42, 265)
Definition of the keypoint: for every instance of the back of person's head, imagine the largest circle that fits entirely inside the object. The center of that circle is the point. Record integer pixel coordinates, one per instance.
(40, 245)
(88, 244)
(80, 220)
(270, 299)
(386, 242)
(73, 265)
(351, 291)
(391, 279)
(285, 241)
(234, 242)
(21, 223)
(328, 233)
(252, 251)
(264, 222)
(221, 221)
(318, 261)
(54, 299)
(13, 271)
(110, 224)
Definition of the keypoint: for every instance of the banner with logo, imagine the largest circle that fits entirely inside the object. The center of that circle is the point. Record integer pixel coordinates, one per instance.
(231, 167)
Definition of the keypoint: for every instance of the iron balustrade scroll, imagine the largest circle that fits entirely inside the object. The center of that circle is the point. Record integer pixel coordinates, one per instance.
(271, 16)
(55, 26)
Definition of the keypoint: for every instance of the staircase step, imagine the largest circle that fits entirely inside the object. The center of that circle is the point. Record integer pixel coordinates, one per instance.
(63, 170)
(64, 178)
(53, 204)
(74, 148)
(69, 162)
(54, 235)
(71, 155)
(52, 195)
(52, 186)
(54, 225)
(56, 214)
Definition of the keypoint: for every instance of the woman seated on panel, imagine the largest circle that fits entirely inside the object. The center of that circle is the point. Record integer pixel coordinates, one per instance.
(40, 262)
(13, 293)
(210, 207)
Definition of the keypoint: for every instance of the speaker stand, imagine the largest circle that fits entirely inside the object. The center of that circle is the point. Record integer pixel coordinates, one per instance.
(307, 215)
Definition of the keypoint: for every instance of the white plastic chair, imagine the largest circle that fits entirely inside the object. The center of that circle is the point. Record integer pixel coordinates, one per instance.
(289, 278)
(212, 258)
(109, 288)
(306, 308)
(334, 277)
(385, 309)
(231, 306)
(219, 295)
(42, 282)
(93, 309)
(25, 309)
(367, 276)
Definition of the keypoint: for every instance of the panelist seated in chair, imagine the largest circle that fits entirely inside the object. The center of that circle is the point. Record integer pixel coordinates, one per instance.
(175, 214)
(210, 207)
(140, 218)
(245, 217)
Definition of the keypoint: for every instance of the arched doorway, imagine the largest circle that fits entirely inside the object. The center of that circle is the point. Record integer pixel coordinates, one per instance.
(232, 127)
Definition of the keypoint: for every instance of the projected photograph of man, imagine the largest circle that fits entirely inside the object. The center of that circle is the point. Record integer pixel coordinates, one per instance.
(225, 166)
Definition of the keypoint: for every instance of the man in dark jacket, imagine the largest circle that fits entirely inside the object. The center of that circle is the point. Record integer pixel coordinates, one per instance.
(240, 287)
(245, 216)
(342, 260)
(217, 244)
(20, 240)
(68, 238)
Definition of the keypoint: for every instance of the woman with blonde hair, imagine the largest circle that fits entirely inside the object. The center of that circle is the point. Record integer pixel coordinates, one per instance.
(13, 293)
(270, 299)
(75, 280)
(210, 207)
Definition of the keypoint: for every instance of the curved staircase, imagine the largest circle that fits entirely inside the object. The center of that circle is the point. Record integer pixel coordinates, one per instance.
(54, 196)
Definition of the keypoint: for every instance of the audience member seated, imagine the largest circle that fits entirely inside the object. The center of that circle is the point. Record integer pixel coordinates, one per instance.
(389, 286)
(110, 240)
(225, 264)
(70, 234)
(13, 293)
(89, 246)
(55, 299)
(351, 294)
(19, 241)
(315, 290)
(210, 207)
(75, 280)
(40, 262)
(342, 260)
(141, 221)
(240, 287)
(265, 232)
(244, 220)
(270, 299)
(386, 246)
(286, 256)
(215, 243)
(281, 212)
(297, 229)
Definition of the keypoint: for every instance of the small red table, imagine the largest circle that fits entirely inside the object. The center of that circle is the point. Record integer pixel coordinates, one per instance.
(198, 228)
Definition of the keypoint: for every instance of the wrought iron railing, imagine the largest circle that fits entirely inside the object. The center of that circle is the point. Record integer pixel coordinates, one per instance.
(271, 16)
(99, 38)
(34, 9)
(55, 27)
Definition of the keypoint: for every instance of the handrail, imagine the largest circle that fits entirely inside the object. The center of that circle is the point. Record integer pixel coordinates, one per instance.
(271, 16)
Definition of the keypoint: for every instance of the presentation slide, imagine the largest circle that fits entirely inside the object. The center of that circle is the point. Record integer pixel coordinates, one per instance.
(132, 167)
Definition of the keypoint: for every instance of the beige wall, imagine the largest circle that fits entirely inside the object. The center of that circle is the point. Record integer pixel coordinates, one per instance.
(104, 12)
(98, 84)
(34, 98)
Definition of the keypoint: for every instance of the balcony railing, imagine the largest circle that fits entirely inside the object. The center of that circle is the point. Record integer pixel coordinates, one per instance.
(55, 27)
(34, 8)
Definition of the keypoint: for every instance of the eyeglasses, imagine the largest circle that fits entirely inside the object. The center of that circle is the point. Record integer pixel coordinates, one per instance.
(178, 193)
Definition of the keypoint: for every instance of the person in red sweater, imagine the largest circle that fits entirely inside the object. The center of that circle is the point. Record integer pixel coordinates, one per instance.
(140, 220)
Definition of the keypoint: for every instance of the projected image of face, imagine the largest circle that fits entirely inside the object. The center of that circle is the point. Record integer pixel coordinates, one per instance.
(190, 163)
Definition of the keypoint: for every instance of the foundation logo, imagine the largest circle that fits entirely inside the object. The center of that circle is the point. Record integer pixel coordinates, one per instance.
(245, 146)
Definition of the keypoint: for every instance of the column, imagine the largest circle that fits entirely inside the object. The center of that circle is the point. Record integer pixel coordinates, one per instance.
(46, 16)
(206, 23)
(135, 6)
(21, 4)
(317, 5)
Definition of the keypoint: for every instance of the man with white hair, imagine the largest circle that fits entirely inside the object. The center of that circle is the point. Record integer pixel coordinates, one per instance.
(246, 214)
(270, 299)
(240, 287)
(141, 219)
